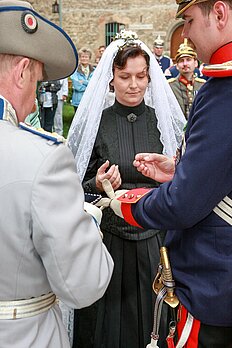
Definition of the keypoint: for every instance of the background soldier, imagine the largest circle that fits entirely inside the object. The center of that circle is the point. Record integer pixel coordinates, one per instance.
(186, 85)
(158, 48)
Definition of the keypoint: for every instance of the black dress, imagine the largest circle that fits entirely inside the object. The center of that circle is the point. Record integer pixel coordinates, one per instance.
(123, 318)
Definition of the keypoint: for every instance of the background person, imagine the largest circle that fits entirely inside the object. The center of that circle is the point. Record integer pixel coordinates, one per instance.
(33, 118)
(128, 125)
(174, 72)
(158, 49)
(101, 50)
(99, 54)
(50, 247)
(186, 85)
(48, 103)
(81, 76)
(62, 95)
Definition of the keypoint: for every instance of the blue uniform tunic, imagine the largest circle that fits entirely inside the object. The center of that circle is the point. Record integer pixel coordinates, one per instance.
(199, 241)
(164, 62)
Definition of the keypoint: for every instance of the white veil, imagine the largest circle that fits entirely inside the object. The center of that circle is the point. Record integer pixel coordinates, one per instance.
(84, 127)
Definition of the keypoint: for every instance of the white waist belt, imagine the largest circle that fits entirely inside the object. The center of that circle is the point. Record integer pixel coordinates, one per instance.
(26, 308)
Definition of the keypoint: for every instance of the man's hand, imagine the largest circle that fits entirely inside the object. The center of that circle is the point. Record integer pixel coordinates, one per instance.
(120, 200)
(155, 166)
(112, 200)
(115, 204)
(94, 211)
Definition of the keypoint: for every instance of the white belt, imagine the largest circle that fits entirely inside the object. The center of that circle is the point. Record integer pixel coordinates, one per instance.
(26, 308)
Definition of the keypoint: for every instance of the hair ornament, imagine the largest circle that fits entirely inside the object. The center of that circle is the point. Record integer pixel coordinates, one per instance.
(129, 38)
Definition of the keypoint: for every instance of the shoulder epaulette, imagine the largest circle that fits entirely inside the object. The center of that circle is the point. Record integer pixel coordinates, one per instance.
(218, 70)
(172, 79)
(53, 137)
(199, 79)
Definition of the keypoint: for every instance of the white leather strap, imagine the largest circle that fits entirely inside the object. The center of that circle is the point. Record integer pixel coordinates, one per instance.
(224, 210)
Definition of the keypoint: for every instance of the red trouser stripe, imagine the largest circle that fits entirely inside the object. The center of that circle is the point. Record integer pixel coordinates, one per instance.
(192, 341)
(170, 342)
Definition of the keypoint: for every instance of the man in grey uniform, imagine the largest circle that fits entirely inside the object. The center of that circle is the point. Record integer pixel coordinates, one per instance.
(50, 247)
(186, 85)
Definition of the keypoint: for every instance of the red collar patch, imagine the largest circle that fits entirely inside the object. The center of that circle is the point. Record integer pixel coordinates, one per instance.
(220, 62)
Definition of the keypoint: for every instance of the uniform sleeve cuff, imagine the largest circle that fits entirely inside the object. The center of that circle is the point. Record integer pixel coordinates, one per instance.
(128, 216)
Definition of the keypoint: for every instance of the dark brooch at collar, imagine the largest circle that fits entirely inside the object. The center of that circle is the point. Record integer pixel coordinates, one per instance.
(131, 117)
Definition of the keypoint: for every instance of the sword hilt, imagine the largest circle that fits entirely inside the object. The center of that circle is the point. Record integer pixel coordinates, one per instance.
(167, 278)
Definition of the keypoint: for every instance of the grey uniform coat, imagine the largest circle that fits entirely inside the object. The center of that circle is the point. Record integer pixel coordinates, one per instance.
(185, 94)
(48, 243)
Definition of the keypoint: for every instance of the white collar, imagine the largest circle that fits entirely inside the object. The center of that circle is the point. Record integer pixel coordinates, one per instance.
(7, 112)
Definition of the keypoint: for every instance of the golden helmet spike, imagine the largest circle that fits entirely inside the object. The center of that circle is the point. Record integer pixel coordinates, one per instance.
(185, 50)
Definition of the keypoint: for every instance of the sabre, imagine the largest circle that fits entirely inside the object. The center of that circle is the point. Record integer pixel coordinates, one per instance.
(163, 286)
(164, 278)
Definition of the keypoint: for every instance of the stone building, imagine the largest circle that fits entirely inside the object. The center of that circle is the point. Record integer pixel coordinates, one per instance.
(92, 23)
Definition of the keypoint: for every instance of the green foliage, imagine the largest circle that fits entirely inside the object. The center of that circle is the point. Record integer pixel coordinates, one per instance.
(70, 90)
(68, 113)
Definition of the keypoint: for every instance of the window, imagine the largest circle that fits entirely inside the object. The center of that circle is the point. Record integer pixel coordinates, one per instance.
(111, 30)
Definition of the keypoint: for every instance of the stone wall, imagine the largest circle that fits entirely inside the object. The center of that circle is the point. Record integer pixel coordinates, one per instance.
(84, 20)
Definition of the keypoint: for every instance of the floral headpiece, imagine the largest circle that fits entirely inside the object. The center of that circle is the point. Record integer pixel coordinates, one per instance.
(128, 36)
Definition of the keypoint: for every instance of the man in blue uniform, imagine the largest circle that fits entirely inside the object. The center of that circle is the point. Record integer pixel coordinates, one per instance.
(195, 200)
(158, 48)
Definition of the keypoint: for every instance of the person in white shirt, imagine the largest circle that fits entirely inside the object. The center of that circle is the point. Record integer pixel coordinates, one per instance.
(62, 95)
(48, 103)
